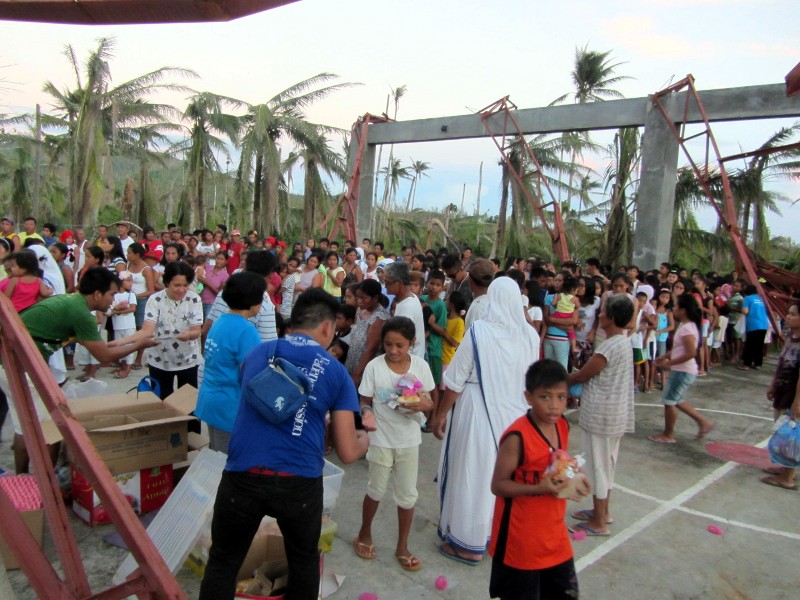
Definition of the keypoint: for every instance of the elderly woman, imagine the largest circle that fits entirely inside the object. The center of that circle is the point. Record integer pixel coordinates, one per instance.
(175, 316)
(484, 395)
(606, 409)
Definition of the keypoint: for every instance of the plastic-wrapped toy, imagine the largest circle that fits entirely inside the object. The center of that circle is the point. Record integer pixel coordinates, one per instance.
(408, 389)
(564, 467)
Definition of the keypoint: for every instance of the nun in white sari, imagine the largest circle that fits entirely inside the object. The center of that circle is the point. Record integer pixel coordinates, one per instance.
(53, 277)
(486, 396)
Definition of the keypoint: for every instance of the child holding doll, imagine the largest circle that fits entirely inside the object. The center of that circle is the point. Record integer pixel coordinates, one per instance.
(394, 393)
(531, 552)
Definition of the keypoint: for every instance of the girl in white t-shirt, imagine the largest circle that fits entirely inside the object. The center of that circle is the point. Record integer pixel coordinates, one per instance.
(123, 320)
(394, 394)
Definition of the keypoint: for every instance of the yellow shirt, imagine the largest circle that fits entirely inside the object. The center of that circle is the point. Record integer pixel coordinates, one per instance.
(455, 329)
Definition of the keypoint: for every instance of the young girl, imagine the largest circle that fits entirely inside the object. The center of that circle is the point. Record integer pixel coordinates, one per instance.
(681, 361)
(60, 254)
(455, 329)
(123, 320)
(664, 326)
(24, 286)
(395, 433)
(566, 306)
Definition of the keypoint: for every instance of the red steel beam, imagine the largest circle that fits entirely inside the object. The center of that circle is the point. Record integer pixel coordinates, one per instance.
(344, 212)
(704, 168)
(557, 233)
(153, 579)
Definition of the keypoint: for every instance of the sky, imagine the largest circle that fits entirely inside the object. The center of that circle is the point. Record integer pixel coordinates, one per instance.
(454, 57)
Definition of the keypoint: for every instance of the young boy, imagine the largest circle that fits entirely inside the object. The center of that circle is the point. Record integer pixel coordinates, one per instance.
(531, 553)
(345, 317)
(437, 324)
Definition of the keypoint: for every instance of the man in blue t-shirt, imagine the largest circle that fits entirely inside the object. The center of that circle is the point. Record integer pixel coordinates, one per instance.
(756, 325)
(276, 470)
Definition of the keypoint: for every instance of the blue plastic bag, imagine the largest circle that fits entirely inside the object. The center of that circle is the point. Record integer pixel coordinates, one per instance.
(784, 445)
(147, 384)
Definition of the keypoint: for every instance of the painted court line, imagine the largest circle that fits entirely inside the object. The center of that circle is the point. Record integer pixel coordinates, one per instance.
(712, 517)
(711, 410)
(653, 516)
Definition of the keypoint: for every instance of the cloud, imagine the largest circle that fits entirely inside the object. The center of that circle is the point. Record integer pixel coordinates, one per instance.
(770, 50)
(638, 33)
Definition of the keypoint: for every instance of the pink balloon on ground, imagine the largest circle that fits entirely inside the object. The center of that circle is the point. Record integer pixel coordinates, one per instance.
(715, 530)
(441, 582)
(368, 596)
(578, 535)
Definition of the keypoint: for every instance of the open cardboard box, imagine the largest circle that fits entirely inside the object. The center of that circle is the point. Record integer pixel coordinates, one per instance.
(134, 432)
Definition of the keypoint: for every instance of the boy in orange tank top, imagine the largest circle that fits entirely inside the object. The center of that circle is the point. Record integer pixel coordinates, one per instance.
(531, 552)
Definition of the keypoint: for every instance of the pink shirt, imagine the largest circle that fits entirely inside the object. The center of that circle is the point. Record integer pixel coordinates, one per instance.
(678, 351)
(217, 280)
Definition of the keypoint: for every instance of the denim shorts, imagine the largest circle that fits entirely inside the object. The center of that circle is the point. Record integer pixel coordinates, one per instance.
(677, 384)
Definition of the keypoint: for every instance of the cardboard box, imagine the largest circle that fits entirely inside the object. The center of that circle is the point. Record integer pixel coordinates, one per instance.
(146, 490)
(133, 432)
(23, 492)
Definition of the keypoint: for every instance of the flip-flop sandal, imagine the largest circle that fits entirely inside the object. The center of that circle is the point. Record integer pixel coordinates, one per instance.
(588, 515)
(365, 551)
(775, 483)
(773, 470)
(655, 439)
(409, 563)
(137, 367)
(589, 531)
(453, 556)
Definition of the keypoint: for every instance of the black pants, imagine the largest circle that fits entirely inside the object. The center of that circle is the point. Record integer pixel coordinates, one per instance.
(166, 379)
(3, 408)
(753, 352)
(242, 501)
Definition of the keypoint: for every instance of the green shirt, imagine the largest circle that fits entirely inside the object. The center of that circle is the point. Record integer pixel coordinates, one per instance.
(52, 322)
(735, 303)
(439, 309)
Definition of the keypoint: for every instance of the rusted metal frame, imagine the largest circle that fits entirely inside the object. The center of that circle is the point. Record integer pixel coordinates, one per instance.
(41, 575)
(729, 219)
(557, 232)
(153, 576)
(345, 208)
(762, 152)
(75, 581)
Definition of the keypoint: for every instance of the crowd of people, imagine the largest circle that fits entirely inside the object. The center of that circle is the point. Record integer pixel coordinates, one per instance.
(484, 355)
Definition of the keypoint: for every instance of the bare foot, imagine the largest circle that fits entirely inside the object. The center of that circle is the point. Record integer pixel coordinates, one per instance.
(705, 430)
(661, 439)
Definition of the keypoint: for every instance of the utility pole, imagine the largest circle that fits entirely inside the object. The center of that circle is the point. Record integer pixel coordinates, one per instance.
(38, 161)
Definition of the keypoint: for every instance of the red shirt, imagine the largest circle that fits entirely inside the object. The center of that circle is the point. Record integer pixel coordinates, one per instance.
(234, 256)
(536, 536)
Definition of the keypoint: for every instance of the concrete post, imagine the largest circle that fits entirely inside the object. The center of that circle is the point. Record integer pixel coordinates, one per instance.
(656, 204)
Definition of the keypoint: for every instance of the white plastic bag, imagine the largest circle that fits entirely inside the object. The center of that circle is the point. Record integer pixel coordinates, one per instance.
(75, 390)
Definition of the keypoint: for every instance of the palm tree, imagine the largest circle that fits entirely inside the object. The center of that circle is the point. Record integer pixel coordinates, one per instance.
(418, 167)
(263, 125)
(317, 157)
(747, 185)
(626, 153)
(396, 94)
(208, 121)
(93, 112)
(593, 77)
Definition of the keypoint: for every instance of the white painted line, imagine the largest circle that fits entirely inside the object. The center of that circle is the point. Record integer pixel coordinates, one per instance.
(711, 410)
(718, 518)
(653, 516)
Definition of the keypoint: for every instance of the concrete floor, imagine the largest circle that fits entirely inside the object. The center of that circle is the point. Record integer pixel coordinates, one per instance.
(665, 498)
